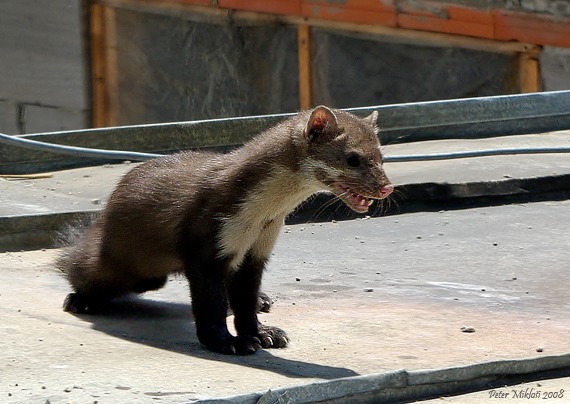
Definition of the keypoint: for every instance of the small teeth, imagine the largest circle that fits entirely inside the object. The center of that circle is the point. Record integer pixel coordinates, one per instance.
(357, 199)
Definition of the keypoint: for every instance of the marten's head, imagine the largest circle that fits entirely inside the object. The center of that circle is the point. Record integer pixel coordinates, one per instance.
(344, 155)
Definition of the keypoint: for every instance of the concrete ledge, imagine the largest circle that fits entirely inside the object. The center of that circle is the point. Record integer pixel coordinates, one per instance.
(402, 385)
(30, 232)
(34, 231)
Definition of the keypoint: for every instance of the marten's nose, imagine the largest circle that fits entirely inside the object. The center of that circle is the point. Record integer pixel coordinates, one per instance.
(386, 190)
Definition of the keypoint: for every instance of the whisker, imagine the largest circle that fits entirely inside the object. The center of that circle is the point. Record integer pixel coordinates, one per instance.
(325, 206)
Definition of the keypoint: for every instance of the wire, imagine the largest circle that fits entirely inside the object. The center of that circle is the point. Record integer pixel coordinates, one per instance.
(75, 150)
(476, 153)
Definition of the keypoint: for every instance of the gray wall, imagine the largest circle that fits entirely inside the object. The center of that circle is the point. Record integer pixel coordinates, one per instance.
(43, 74)
(555, 68)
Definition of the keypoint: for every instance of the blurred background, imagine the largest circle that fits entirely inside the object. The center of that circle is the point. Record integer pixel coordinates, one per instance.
(72, 64)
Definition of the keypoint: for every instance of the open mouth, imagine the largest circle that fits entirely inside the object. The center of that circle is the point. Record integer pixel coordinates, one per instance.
(355, 201)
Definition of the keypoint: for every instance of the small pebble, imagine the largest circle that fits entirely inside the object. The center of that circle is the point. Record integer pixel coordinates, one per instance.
(96, 201)
(467, 329)
(540, 349)
(369, 290)
(298, 279)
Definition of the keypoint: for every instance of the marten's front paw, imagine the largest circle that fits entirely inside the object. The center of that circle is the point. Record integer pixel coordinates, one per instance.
(272, 337)
(234, 345)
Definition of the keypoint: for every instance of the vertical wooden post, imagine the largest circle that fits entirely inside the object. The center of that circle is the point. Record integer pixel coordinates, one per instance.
(97, 50)
(111, 70)
(305, 71)
(103, 65)
(529, 71)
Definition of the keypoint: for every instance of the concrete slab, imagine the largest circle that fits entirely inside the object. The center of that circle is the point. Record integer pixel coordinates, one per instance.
(31, 209)
(356, 297)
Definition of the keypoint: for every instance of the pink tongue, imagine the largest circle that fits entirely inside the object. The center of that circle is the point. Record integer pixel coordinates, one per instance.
(386, 190)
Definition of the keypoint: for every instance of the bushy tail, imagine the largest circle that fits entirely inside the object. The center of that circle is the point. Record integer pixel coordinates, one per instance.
(72, 240)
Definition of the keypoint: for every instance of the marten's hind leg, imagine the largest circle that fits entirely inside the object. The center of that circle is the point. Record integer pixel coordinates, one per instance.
(98, 297)
(94, 287)
(97, 279)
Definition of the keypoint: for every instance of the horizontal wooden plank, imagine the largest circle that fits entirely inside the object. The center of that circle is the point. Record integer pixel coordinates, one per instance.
(345, 14)
(449, 26)
(221, 16)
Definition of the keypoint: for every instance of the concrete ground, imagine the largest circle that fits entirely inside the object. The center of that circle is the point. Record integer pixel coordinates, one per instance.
(357, 297)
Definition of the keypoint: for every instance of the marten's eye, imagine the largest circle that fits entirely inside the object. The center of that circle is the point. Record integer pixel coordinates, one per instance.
(353, 160)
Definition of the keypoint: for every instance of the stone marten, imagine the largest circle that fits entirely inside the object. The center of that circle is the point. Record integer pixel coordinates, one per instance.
(215, 218)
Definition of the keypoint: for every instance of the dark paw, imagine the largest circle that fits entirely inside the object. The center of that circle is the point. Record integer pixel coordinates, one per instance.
(264, 303)
(272, 337)
(246, 345)
(235, 346)
(78, 304)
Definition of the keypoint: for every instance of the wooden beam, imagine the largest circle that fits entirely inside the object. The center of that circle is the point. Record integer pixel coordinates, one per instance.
(305, 64)
(217, 15)
(103, 65)
(97, 49)
(111, 67)
(529, 72)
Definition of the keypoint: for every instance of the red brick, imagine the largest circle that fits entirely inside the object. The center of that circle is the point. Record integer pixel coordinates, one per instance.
(534, 29)
(283, 7)
(345, 14)
(383, 6)
(426, 23)
(484, 17)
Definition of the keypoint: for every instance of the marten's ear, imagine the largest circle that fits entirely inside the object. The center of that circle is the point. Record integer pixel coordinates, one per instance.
(372, 121)
(321, 122)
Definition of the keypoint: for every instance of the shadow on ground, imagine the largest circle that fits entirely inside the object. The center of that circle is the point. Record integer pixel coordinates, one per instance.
(170, 326)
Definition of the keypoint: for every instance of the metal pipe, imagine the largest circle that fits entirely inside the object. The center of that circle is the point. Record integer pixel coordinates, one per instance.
(137, 156)
(75, 150)
(477, 153)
